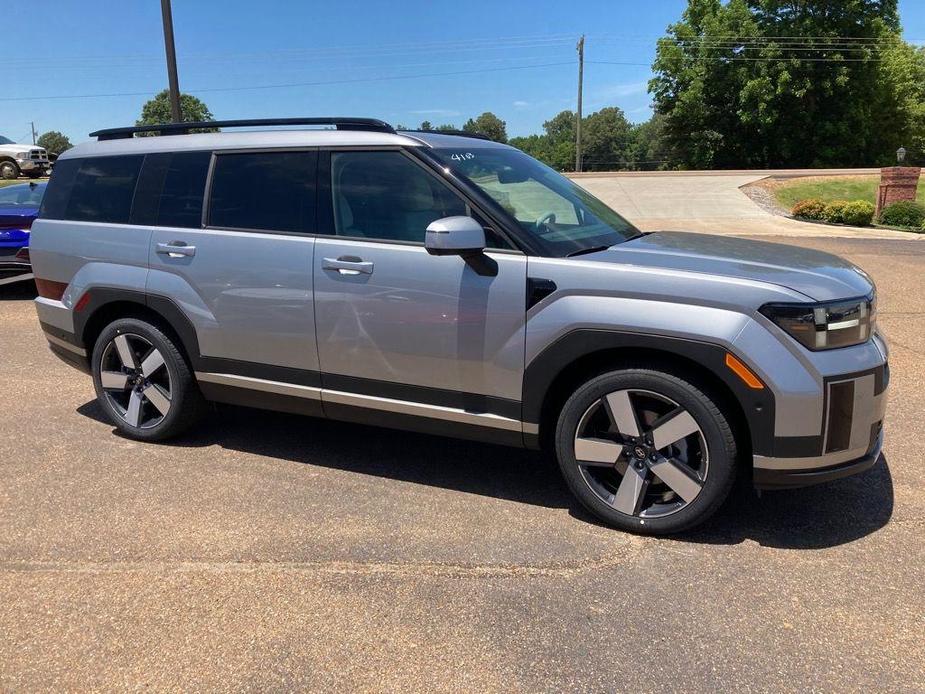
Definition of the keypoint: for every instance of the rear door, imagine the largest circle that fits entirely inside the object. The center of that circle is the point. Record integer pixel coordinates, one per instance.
(241, 271)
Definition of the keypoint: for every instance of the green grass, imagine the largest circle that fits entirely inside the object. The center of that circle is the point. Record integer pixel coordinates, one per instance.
(834, 188)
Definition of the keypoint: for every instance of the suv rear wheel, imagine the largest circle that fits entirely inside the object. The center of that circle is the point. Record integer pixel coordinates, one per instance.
(143, 382)
(646, 451)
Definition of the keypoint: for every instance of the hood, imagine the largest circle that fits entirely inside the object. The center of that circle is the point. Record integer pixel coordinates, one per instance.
(820, 276)
(14, 148)
(12, 220)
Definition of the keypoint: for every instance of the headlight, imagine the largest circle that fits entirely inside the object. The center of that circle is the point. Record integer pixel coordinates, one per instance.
(22, 155)
(826, 325)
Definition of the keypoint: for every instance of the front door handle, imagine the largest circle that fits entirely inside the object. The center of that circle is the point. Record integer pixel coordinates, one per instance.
(348, 265)
(176, 249)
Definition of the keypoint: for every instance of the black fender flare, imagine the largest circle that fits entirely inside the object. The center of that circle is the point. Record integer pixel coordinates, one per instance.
(539, 376)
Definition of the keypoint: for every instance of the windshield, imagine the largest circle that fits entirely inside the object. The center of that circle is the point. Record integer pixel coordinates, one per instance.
(563, 216)
(6, 141)
(27, 194)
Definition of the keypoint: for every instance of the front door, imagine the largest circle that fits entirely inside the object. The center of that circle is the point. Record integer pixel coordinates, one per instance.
(396, 323)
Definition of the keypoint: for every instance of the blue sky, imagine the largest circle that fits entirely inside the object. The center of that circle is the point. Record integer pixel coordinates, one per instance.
(452, 60)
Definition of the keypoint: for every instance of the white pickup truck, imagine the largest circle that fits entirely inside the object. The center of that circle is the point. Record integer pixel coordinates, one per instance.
(15, 159)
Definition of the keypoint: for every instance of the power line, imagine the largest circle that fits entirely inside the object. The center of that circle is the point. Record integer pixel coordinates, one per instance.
(291, 84)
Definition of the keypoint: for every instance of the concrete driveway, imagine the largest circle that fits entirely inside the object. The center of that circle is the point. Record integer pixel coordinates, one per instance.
(271, 552)
(708, 202)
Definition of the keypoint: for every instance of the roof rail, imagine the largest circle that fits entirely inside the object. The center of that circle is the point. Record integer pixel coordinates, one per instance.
(367, 124)
(461, 133)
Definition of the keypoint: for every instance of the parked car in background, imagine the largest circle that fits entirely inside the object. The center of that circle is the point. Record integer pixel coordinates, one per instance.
(16, 159)
(19, 206)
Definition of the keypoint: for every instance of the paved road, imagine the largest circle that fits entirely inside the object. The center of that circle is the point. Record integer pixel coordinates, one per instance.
(272, 552)
(707, 203)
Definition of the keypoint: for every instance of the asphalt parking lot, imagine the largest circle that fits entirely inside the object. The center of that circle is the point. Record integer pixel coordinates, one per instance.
(275, 552)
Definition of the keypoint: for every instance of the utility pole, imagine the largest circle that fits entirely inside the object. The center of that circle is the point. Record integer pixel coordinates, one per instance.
(33, 131)
(581, 72)
(174, 83)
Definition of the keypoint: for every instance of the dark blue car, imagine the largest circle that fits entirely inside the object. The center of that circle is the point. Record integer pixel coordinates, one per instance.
(19, 206)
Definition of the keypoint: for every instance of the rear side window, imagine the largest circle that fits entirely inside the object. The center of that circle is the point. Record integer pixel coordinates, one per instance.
(103, 189)
(54, 204)
(184, 187)
(274, 191)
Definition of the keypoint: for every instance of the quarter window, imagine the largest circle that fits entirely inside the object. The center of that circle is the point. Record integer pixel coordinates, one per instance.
(274, 191)
(386, 196)
(103, 189)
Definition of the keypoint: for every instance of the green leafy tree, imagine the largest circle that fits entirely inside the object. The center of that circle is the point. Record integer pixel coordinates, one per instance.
(736, 90)
(446, 128)
(489, 125)
(192, 110)
(54, 142)
(649, 149)
(606, 141)
(426, 125)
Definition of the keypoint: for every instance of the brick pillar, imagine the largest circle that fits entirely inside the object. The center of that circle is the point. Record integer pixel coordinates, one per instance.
(897, 183)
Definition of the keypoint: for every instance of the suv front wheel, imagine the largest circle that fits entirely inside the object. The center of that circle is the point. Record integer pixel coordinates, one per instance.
(142, 381)
(646, 451)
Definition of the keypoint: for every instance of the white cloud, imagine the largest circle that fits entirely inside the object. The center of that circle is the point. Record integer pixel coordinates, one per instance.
(615, 91)
(521, 104)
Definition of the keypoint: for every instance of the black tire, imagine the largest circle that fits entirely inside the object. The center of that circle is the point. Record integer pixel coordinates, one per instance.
(9, 170)
(185, 404)
(712, 450)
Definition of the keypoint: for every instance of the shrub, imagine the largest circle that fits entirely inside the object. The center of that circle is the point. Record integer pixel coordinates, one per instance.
(834, 212)
(858, 213)
(904, 213)
(811, 208)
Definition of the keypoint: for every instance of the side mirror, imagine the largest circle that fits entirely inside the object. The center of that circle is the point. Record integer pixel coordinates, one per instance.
(455, 236)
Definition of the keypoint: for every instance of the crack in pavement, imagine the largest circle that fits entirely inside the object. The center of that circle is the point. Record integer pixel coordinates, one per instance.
(430, 569)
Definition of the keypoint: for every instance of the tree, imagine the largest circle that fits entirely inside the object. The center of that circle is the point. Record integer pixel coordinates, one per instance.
(426, 125)
(606, 142)
(737, 90)
(192, 110)
(54, 142)
(489, 125)
(446, 128)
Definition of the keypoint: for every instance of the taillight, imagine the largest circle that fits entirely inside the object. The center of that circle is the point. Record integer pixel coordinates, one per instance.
(22, 255)
(50, 290)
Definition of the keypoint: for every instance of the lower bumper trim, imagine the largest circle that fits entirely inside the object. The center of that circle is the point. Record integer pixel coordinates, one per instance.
(765, 478)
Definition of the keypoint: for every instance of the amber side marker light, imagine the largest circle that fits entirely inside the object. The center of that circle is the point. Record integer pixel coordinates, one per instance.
(743, 372)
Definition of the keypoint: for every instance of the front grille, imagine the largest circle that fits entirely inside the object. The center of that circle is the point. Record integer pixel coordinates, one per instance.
(38, 154)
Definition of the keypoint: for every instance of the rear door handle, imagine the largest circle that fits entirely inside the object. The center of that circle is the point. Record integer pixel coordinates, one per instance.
(176, 249)
(348, 265)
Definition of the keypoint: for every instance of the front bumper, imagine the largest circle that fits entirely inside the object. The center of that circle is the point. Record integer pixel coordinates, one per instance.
(30, 165)
(769, 478)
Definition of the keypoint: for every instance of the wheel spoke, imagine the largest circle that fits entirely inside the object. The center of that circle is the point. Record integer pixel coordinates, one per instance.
(631, 490)
(674, 429)
(152, 363)
(158, 398)
(126, 355)
(113, 380)
(597, 452)
(622, 413)
(133, 413)
(674, 476)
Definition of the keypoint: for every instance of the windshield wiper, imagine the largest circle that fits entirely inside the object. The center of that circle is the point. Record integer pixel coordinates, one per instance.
(583, 251)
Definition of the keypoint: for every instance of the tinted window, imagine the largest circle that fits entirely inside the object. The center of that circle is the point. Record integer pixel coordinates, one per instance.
(184, 187)
(103, 189)
(385, 195)
(264, 190)
(54, 204)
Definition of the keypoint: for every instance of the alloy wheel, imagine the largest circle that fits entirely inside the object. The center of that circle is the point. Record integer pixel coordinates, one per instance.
(135, 380)
(641, 453)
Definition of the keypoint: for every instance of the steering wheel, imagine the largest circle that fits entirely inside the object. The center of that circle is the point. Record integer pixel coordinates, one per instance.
(544, 221)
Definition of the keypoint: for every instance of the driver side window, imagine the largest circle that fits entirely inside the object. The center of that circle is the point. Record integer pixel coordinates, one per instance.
(385, 196)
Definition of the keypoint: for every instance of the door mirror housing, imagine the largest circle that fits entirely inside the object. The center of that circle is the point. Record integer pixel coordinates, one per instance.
(455, 236)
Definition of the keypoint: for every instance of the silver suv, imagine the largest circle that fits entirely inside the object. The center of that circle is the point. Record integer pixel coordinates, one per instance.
(455, 286)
